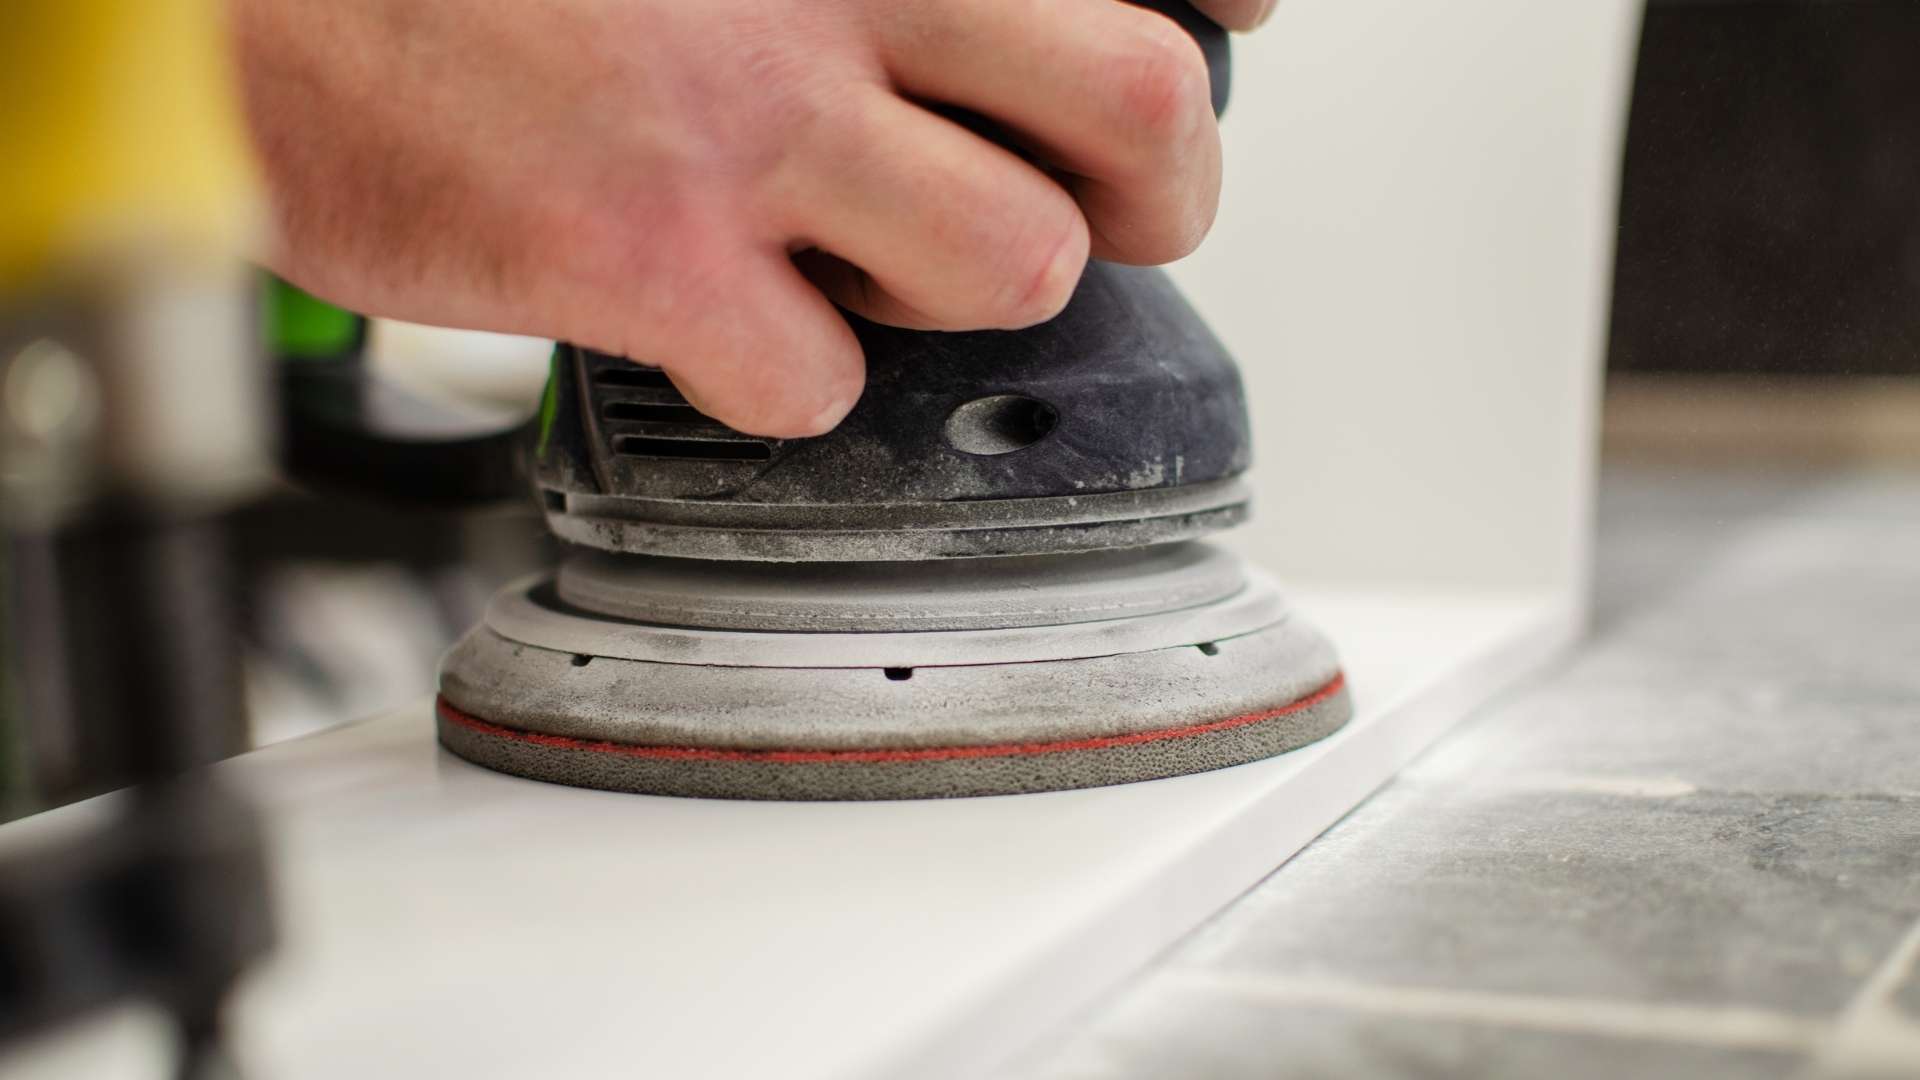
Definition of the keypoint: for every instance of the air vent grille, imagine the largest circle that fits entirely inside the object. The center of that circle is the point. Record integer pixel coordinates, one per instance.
(643, 416)
(626, 373)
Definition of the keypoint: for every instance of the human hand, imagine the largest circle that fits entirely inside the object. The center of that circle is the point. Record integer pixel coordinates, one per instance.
(690, 184)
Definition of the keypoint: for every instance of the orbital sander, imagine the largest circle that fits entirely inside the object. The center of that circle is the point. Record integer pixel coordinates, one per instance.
(991, 578)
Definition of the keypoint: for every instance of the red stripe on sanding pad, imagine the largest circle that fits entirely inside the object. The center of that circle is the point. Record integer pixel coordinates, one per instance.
(943, 753)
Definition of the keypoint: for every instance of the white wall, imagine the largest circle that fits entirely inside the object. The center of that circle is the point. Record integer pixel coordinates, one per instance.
(1413, 263)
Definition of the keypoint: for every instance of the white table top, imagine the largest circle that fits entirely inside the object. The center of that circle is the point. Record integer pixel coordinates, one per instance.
(439, 919)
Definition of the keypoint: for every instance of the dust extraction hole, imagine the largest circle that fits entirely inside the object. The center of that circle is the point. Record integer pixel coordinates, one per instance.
(899, 674)
(581, 659)
(1000, 424)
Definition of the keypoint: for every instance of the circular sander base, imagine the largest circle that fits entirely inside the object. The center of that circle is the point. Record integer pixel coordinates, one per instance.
(835, 731)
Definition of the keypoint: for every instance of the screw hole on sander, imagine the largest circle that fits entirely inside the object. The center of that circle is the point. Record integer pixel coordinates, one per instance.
(899, 674)
(581, 659)
(1208, 648)
(1000, 424)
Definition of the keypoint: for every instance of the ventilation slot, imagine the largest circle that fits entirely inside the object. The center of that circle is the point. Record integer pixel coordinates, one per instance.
(655, 411)
(633, 375)
(692, 449)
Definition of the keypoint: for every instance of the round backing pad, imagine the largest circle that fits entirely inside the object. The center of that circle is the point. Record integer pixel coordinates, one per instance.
(859, 732)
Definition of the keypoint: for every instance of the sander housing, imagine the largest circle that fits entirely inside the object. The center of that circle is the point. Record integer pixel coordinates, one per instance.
(989, 579)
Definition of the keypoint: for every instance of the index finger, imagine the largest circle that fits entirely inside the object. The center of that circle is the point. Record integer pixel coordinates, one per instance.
(1115, 97)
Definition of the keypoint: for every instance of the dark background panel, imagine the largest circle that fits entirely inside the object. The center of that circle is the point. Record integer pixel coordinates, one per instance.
(1770, 215)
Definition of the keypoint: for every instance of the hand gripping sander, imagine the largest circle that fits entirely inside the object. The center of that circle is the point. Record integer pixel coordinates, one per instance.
(989, 579)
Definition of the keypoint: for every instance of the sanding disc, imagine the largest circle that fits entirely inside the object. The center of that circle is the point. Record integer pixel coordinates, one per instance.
(988, 694)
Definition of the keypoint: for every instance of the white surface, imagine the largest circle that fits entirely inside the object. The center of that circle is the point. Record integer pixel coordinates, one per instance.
(442, 920)
(1412, 264)
(472, 369)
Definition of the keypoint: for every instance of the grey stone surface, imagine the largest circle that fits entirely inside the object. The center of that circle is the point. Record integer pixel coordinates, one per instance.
(1771, 736)
(1710, 813)
(1781, 902)
(1720, 577)
(1229, 1040)
(1828, 605)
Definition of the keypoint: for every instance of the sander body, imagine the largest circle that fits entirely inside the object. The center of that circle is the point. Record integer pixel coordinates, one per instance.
(991, 578)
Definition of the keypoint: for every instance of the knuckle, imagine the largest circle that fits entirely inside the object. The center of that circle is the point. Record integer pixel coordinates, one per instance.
(1162, 86)
(747, 400)
(762, 375)
(1046, 268)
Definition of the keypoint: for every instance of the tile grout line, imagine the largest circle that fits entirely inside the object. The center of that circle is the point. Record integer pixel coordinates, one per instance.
(1872, 1037)
(1507, 782)
(1632, 786)
(1725, 1027)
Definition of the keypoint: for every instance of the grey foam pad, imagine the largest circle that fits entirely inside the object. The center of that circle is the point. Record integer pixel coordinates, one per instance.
(912, 774)
(854, 733)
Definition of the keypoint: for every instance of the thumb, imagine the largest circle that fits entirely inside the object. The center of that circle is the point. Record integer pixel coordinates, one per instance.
(772, 358)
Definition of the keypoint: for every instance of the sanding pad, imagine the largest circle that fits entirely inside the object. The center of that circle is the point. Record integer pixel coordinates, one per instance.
(1174, 660)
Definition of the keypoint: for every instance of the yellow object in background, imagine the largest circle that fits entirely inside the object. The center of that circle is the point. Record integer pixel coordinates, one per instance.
(120, 129)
